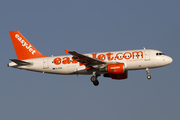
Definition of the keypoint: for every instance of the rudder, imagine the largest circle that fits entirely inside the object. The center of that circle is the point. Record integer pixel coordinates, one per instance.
(24, 49)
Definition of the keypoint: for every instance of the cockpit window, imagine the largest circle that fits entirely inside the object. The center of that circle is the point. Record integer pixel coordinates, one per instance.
(160, 54)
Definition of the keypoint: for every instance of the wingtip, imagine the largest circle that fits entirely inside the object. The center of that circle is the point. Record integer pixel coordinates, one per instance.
(66, 51)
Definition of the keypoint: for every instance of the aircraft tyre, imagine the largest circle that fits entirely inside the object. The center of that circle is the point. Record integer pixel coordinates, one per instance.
(93, 78)
(96, 83)
(148, 77)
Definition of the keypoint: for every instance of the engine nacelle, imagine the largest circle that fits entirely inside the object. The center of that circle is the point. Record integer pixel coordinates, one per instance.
(117, 68)
(117, 76)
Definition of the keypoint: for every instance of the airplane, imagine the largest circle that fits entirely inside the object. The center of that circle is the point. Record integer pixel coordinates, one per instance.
(114, 65)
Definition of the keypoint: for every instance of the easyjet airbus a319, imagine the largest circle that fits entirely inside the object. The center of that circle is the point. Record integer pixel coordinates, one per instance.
(114, 65)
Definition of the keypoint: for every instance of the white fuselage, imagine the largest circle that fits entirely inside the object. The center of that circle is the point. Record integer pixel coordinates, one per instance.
(132, 59)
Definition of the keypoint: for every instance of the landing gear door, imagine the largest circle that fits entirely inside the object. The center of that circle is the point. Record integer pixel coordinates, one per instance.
(146, 55)
(45, 63)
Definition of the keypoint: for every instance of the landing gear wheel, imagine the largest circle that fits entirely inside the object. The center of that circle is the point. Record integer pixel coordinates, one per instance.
(93, 79)
(96, 83)
(149, 77)
(147, 71)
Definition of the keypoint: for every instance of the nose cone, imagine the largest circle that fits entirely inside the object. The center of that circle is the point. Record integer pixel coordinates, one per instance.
(169, 60)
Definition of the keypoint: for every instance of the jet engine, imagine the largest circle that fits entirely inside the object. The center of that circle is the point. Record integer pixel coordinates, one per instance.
(115, 71)
(116, 68)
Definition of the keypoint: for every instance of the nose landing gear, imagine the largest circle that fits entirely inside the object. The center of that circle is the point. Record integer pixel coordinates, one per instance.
(147, 71)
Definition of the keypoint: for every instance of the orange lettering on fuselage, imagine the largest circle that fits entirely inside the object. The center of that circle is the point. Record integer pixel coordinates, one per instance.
(66, 60)
(109, 56)
(137, 53)
(102, 57)
(94, 55)
(57, 61)
(117, 56)
(128, 56)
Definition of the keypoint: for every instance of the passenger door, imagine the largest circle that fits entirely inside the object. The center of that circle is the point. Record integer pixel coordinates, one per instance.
(146, 55)
(45, 63)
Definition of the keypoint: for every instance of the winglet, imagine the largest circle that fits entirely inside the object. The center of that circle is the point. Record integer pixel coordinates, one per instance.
(66, 51)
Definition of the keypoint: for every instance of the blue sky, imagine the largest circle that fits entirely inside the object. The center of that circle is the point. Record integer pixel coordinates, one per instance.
(90, 26)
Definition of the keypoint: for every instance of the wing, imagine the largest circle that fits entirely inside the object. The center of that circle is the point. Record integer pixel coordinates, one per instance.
(83, 59)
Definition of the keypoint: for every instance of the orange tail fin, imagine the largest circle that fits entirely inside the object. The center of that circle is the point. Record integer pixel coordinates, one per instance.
(24, 49)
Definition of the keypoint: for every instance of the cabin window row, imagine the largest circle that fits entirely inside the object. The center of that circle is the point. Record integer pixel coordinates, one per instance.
(62, 61)
(121, 57)
(100, 58)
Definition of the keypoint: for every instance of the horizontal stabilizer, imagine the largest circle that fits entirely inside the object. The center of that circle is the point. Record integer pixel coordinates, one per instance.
(20, 62)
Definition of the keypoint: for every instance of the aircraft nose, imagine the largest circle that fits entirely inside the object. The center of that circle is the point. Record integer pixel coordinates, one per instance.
(169, 60)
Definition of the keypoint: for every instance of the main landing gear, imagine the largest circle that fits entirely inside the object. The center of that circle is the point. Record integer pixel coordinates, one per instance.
(94, 79)
(148, 76)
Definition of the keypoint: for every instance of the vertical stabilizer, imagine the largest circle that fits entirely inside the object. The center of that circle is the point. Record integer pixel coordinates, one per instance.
(24, 49)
